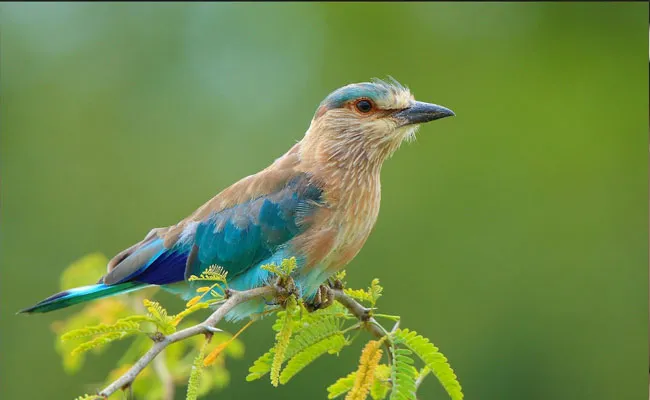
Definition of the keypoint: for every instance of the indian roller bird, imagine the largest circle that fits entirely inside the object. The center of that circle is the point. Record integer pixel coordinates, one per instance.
(318, 203)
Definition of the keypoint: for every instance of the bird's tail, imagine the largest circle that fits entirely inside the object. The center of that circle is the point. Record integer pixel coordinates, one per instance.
(80, 295)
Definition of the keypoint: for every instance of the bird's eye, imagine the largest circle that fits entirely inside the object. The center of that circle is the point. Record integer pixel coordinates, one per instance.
(364, 106)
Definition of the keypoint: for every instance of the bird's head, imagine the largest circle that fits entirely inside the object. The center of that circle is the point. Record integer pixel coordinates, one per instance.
(367, 122)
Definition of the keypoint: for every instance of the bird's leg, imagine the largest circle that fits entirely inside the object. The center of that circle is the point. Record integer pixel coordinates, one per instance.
(324, 298)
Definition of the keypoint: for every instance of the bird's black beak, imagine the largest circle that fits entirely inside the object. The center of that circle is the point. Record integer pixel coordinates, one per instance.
(419, 113)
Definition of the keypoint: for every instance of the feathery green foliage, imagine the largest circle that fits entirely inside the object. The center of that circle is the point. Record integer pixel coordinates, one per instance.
(213, 273)
(189, 310)
(331, 344)
(99, 341)
(403, 375)
(120, 314)
(433, 359)
(260, 367)
(285, 269)
(301, 338)
(311, 332)
(159, 316)
(282, 340)
(121, 326)
(371, 295)
(309, 329)
(341, 386)
(89, 397)
(195, 375)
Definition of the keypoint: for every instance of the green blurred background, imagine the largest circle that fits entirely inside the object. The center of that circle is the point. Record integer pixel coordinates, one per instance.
(514, 235)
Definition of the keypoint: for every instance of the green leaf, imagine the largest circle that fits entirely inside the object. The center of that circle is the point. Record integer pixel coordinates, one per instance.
(282, 340)
(272, 268)
(375, 291)
(433, 359)
(213, 273)
(89, 397)
(341, 386)
(358, 294)
(123, 326)
(195, 374)
(176, 319)
(159, 317)
(260, 367)
(288, 265)
(100, 341)
(403, 375)
(332, 344)
(311, 329)
(285, 269)
(371, 295)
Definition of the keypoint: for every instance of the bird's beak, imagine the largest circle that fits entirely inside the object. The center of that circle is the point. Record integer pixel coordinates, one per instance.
(419, 113)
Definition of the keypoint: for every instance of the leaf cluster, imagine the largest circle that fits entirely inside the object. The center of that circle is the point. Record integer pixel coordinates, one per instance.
(100, 323)
(390, 367)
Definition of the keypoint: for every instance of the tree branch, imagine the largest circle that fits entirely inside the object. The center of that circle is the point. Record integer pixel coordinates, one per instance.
(206, 327)
(165, 377)
(359, 311)
(363, 314)
(159, 365)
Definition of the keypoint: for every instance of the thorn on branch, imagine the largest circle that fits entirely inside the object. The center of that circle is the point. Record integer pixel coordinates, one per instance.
(211, 330)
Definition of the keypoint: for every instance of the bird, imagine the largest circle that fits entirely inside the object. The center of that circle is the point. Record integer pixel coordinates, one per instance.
(317, 203)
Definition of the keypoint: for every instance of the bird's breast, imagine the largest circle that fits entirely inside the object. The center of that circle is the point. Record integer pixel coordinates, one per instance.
(340, 231)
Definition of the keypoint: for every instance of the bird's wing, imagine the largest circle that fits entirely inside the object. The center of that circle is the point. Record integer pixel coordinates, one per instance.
(236, 229)
(240, 237)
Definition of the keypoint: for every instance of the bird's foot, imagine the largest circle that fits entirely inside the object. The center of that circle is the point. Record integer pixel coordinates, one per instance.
(285, 287)
(335, 283)
(324, 298)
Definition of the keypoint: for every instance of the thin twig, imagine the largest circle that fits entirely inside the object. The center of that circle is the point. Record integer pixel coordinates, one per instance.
(358, 310)
(159, 364)
(206, 327)
(423, 374)
(363, 314)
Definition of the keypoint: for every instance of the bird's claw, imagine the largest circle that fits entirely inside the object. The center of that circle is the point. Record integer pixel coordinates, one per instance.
(335, 283)
(285, 287)
(324, 298)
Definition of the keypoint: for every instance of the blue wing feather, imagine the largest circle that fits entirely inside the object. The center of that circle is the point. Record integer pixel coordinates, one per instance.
(240, 237)
(165, 269)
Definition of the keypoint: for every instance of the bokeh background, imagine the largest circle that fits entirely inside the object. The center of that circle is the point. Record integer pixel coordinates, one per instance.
(514, 235)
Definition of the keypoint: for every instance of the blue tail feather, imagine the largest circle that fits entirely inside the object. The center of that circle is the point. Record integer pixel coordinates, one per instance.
(81, 294)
